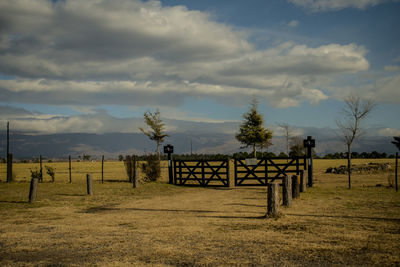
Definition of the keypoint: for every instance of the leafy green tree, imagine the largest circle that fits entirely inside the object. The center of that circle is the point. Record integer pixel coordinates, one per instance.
(251, 131)
(156, 125)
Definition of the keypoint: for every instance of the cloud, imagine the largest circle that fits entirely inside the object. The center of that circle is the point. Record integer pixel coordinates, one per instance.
(384, 89)
(126, 52)
(392, 68)
(99, 121)
(293, 24)
(332, 5)
(389, 132)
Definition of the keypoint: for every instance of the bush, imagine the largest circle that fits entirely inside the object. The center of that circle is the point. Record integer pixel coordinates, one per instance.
(51, 172)
(35, 174)
(151, 168)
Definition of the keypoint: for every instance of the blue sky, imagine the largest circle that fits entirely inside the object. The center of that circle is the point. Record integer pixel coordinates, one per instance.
(199, 61)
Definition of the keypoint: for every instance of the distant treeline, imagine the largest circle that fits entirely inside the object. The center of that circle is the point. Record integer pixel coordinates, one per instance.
(356, 155)
(241, 155)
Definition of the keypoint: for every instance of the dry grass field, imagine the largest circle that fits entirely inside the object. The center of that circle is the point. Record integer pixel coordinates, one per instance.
(163, 225)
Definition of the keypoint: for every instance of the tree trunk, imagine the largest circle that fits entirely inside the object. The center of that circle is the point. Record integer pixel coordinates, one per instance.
(254, 151)
(158, 151)
(349, 164)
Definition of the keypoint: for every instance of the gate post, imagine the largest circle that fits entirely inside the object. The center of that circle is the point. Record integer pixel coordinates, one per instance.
(309, 143)
(287, 191)
(273, 200)
(169, 149)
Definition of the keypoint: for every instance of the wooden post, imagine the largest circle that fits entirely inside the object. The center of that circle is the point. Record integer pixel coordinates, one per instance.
(9, 167)
(287, 191)
(273, 200)
(295, 187)
(33, 190)
(396, 171)
(41, 169)
(89, 185)
(8, 157)
(136, 178)
(8, 138)
(70, 176)
(102, 169)
(303, 182)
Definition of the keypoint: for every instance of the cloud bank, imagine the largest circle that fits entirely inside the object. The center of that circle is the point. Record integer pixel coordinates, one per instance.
(127, 52)
(333, 5)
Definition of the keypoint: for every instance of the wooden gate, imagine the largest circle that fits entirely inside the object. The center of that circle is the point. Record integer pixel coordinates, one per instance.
(267, 170)
(201, 172)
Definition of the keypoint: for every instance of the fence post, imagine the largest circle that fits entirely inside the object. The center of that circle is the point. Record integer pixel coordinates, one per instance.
(396, 171)
(70, 176)
(9, 167)
(295, 187)
(228, 161)
(33, 190)
(102, 169)
(41, 169)
(273, 200)
(303, 182)
(135, 173)
(89, 185)
(287, 191)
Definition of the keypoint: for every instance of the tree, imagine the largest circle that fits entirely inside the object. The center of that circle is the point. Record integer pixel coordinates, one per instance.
(288, 131)
(355, 111)
(396, 141)
(153, 120)
(251, 131)
(297, 147)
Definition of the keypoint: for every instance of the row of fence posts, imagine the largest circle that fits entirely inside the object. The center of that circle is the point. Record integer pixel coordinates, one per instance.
(130, 163)
(291, 189)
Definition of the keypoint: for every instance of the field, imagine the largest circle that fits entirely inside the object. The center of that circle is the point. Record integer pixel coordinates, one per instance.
(164, 225)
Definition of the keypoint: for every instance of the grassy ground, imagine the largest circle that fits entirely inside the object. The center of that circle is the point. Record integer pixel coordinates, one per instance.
(160, 225)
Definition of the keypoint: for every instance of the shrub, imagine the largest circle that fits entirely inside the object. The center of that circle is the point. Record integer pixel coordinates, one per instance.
(151, 168)
(51, 172)
(35, 174)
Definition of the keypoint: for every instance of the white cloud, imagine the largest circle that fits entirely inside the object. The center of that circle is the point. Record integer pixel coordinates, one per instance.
(389, 132)
(126, 52)
(329, 5)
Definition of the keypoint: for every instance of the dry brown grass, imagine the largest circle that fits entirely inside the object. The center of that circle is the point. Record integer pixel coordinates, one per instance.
(163, 225)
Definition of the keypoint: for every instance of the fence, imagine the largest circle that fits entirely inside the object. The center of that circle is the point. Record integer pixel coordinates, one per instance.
(267, 170)
(113, 171)
(201, 172)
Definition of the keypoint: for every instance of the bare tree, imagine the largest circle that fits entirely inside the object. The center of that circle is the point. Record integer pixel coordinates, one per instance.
(153, 120)
(356, 109)
(288, 131)
(297, 148)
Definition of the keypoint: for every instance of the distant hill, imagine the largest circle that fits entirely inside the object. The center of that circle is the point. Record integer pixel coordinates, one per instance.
(29, 145)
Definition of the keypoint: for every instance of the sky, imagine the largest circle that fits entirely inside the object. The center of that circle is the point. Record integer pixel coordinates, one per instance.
(95, 65)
